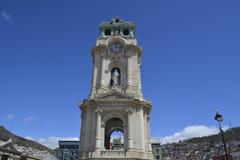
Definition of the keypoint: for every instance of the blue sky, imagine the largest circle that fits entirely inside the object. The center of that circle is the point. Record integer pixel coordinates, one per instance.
(190, 64)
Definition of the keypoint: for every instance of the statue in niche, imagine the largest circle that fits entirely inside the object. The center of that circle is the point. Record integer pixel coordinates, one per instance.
(116, 32)
(115, 78)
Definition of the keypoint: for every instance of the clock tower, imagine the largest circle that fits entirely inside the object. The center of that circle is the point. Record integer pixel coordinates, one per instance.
(115, 102)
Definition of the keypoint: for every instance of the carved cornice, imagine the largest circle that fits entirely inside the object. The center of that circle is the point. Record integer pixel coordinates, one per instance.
(113, 95)
(101, 50)
(132, 50)
(117, 22)
(129, 110)
(87, 104)
(116, 102)
(98, 110)
(127, 105)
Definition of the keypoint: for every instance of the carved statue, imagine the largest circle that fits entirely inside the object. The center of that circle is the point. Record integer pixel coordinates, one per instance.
(115, 78)
(116, 33)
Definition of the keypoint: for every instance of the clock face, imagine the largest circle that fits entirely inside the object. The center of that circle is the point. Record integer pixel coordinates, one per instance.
(116, 47)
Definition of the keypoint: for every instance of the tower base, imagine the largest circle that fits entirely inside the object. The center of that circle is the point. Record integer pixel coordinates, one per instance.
(118, 155)
(113, 159)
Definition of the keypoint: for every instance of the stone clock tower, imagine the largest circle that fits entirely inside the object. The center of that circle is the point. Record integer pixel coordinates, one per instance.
(116, 102)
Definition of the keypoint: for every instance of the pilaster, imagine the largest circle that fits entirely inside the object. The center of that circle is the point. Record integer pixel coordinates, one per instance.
(129, 129)
(98, 129)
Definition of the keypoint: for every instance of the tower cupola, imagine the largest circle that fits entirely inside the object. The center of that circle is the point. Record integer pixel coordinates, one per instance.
(117, 27)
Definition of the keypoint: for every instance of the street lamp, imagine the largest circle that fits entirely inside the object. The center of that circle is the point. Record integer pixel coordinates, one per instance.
(219, 118)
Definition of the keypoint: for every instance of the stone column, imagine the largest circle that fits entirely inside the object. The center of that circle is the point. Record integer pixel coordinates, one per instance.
(149, 133)
(94, 78)
(83, 116)
(129, 73)
(141, 131)
(87, 130)
(129, 129)
(125, 136)
(102, 81)
(102, 33)
(131, 33)
(98, 129)
(103, 135)
(93, 131)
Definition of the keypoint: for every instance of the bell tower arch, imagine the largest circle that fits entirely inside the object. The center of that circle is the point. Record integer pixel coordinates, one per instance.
(116, 102)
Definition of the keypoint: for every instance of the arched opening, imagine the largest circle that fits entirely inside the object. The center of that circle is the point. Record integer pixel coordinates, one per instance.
(126, 32)
(107, 32)
(115, 77)
(117, 140)
(114, 134)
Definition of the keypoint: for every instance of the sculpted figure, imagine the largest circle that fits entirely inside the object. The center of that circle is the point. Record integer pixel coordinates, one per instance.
(115, 77)
(116, 33)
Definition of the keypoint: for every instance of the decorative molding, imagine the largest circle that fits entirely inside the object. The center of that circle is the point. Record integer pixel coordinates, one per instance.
(98, 110)
(113, 114)
(100, 49)
(114, 95)
(129, 110)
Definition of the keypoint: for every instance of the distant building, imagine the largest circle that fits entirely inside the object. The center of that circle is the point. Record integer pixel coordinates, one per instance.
(156, 150)
(116, 144)
(27, 157)
(236, 155)
(68, 150)
(9, 152)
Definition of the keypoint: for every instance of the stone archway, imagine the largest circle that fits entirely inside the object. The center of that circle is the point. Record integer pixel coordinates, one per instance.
(113, 124)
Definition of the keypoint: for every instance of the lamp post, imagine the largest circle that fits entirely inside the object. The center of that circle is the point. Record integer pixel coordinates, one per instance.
(219, 118)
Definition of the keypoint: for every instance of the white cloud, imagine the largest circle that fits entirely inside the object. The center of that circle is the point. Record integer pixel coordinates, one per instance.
(189, 132)
(10, 116)
(29, 119)
(6, 16)
(52, 142)
(30, 138)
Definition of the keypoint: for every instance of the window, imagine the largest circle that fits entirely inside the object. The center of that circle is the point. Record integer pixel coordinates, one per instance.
(107, 32)
(157, 157)
(117, 20)
(157, 150)
(125, 32)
